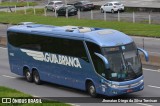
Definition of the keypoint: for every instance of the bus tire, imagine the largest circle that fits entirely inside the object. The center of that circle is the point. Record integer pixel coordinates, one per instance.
(91, 89)
(36, 77)
(28, 75)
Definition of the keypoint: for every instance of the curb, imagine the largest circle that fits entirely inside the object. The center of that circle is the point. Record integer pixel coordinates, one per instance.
(153, 59)
(3, 41)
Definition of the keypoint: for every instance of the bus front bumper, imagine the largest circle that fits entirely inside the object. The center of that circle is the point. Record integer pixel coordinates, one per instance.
(120, 91)
(114, 90)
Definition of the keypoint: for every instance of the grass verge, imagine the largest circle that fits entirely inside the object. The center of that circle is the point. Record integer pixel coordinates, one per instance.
(7, 92)
(135, 29)
(30, 11)
(18, 4)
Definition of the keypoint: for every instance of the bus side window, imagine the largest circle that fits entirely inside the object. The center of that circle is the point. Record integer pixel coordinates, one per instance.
(73, 48)
(98, 63)
(36, 47)
(25, 41)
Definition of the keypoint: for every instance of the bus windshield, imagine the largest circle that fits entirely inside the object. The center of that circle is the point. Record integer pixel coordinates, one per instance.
(124, 62)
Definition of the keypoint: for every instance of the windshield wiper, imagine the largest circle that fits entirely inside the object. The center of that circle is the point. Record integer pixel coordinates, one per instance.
(130, 68)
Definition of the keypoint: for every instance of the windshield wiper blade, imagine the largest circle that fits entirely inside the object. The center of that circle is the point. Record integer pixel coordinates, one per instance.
(129, 65)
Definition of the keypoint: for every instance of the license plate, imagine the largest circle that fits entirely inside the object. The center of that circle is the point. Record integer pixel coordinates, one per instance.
(129, 90)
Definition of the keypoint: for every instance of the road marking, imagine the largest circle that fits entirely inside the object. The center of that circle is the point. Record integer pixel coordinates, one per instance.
(72, 104)
(3, 48)
(151, 70)
(8, 76)
(153, 52)
(144, 104)
(154, 86)
(35, 96)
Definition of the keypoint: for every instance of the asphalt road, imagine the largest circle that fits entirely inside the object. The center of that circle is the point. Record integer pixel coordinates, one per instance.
(151, 78)
(149, 44)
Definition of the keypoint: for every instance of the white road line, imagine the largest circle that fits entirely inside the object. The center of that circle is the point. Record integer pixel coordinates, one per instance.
(151, 70)
(35, 96)
(72, 104)
(154, 86)
(3, 48)
(8, 76)
(144, 104)
(153, 52)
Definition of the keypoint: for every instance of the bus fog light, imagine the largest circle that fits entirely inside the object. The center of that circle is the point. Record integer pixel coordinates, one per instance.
(141, 81)
(114, 92)
(141, 87)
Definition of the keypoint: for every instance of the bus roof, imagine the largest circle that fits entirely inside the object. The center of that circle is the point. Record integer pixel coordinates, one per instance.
(100, 36)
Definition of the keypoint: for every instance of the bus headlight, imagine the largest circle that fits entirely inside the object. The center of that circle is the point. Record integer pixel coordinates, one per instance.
(113, 85)
(141, 81)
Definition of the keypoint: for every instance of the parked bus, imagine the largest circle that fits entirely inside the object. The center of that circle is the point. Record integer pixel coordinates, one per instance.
(100, 61)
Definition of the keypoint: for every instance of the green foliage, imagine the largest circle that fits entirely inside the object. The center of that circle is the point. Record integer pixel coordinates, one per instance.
(31, 11)
(7, 92)
(18, 3)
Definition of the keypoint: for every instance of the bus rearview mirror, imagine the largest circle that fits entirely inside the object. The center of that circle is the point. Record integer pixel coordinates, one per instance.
(104, 59)
(145, 54)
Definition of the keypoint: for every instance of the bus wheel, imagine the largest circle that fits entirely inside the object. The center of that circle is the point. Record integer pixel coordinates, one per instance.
(91, 89)
(28, 75)
(36, 77)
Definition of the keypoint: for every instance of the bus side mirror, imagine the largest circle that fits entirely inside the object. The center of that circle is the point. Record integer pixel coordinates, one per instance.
(145, 54)
(104, 59)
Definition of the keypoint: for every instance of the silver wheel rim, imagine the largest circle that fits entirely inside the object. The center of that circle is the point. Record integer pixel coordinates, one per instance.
(92, 89)
(36, 78)
(28, 75)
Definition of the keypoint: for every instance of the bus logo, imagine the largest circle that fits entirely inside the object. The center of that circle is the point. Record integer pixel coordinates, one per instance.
(53, 58)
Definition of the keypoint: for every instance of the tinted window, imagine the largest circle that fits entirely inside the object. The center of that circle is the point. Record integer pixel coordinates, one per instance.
(58, 3)
(51, 3)
(62, 9)
(70, 7)
(98, 63)
(110, 4)
(117, 4)
(62, 46)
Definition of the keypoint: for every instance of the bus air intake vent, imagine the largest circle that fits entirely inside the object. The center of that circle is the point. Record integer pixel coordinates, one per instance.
(84, 29)
(34, 25)
(76, 28)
